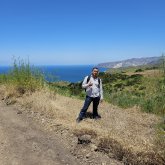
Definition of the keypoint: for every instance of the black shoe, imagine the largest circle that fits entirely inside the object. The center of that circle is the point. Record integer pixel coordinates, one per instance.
(78, 120)
(97, 117)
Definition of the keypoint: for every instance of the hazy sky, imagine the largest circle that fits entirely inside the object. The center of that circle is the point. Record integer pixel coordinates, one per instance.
(80, 31)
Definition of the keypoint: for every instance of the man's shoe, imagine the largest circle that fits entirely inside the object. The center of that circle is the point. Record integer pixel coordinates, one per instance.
(78, 120)
(97, 117)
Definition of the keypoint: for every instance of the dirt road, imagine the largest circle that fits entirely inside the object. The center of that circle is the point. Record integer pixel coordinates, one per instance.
(22, 142)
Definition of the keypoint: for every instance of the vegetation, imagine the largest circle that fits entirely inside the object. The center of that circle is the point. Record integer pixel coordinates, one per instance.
(125, 88)
(23, 77)
(143, 87)
(128, 135)
(129, 87)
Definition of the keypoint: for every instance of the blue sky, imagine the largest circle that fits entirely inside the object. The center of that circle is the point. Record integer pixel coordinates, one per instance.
(66, 32)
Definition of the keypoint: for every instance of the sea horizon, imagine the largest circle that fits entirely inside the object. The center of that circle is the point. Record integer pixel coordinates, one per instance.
(69, 73)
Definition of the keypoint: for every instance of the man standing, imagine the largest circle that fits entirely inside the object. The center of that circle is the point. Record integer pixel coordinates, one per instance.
(94, 93)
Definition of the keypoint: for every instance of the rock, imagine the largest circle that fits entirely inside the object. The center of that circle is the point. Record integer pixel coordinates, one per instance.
(19, 112)
(84, 139)
(103, 163)
(43, 120)
(93, 147)
(88, 155)
(10, 102)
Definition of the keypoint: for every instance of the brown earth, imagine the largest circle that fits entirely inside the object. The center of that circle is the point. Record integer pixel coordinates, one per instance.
(23, 141)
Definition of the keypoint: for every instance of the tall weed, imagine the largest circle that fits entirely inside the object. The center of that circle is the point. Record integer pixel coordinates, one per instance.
(24, 77)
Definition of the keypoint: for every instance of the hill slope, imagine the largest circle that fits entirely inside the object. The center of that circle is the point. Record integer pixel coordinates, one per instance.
(131, 62)
(126, 135)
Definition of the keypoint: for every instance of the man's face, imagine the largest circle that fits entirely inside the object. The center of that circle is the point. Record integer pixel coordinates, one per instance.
(95, 72)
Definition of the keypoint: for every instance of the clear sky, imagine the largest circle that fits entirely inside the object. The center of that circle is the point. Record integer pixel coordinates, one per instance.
(70, 32)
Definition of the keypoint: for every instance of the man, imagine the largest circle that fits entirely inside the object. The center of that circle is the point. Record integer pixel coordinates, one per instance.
(94, 93)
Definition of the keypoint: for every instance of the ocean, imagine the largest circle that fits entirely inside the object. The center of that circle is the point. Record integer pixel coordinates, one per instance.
(70, 73)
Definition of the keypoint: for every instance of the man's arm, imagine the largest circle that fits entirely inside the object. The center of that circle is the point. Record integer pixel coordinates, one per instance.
(101, 90)
(85, 84)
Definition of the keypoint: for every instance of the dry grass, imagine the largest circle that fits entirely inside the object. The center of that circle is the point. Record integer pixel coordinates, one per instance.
(129, 134)
(147, 73)
(8, 92)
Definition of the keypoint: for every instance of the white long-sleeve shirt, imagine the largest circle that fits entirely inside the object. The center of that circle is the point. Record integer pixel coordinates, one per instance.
(94, 90)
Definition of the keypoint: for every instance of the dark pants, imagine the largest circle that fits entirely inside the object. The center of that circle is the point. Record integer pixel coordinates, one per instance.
(87, 102)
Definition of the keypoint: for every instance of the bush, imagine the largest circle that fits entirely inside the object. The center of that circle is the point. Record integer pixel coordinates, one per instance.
(23, 77)
(124, 99)
(139, 70)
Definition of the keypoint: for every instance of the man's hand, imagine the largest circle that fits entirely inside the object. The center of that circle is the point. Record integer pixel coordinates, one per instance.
(101, 100)
(90, 84)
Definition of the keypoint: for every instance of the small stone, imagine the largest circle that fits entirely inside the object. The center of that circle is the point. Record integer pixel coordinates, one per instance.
(10, 102)
(19, 112)
(43, 120)
(93, 147)
(103, 163)
(88, 155)
(84, 139)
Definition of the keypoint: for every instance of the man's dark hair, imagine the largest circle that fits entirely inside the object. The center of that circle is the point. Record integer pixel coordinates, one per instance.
(95, 68)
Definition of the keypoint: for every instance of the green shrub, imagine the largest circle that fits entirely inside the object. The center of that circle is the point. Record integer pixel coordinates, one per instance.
(123, 99)
(24, 77)
(139, 70)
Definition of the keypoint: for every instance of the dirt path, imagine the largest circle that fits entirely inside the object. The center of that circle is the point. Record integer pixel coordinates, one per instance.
(22, 142)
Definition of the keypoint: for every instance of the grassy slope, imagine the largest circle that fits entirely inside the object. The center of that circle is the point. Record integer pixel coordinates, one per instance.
(124, 132)
(129, 134)
(143, 87)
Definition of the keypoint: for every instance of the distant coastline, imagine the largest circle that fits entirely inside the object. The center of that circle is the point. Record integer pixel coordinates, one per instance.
(132, 62)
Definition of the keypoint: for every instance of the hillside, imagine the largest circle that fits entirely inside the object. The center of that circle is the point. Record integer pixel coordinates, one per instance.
(131, 62)
(124, 135)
